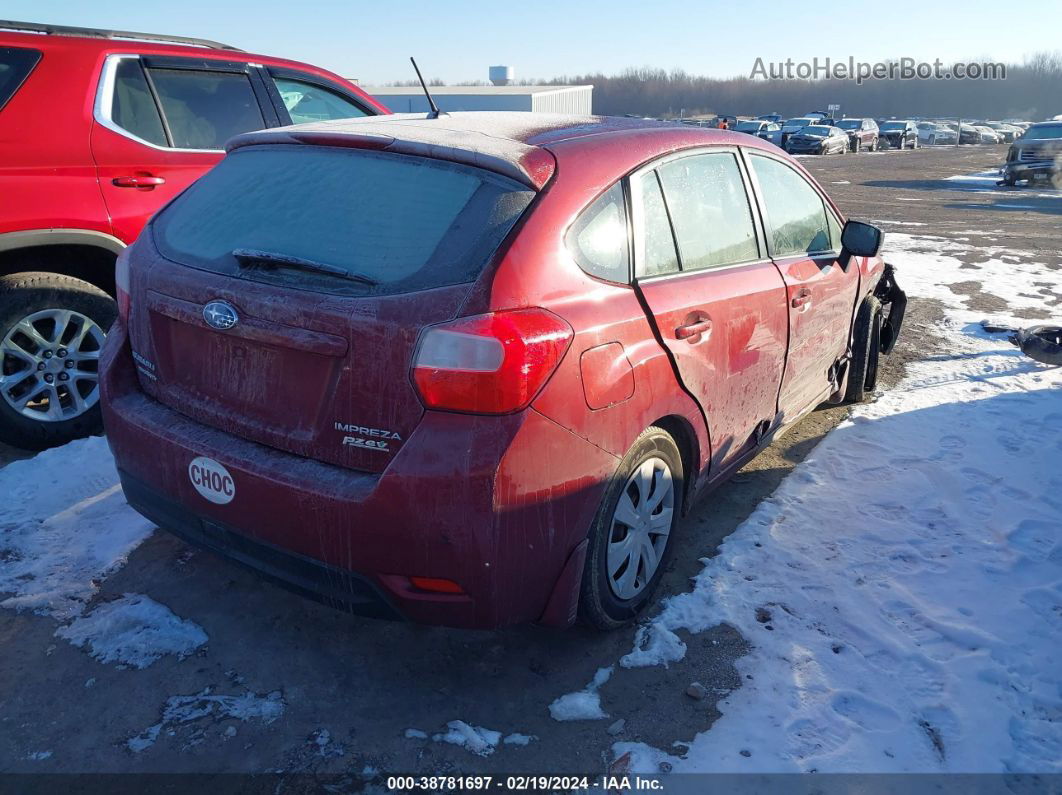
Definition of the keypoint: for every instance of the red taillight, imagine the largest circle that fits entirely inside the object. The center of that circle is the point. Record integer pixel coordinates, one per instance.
(489, 364)
(436, 584)
(121, 284)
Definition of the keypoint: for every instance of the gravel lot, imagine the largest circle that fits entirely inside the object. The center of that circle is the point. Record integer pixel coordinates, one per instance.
(352, 687)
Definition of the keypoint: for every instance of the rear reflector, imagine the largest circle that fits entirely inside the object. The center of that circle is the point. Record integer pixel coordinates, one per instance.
(489, 364)
(436, 584)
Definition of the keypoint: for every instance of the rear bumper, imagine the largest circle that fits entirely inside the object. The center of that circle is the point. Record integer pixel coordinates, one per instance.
(498, 505)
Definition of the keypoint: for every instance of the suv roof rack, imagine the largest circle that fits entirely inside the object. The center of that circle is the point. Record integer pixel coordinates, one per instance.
(99, 33)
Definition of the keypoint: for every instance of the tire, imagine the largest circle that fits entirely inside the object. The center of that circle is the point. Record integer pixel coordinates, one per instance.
(600, 603)
(68, 319)
(866, 351)
(855, 148)
(874, 145)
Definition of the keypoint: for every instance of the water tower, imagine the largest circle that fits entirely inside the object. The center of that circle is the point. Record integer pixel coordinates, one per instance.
(501, 75)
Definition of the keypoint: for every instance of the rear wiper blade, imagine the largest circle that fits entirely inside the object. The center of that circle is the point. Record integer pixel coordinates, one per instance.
(249, 257)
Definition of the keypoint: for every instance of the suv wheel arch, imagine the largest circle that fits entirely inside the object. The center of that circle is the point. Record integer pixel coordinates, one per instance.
(81, 254)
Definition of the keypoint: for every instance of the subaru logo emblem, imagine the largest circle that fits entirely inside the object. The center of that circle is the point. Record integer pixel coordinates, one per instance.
(220, 315)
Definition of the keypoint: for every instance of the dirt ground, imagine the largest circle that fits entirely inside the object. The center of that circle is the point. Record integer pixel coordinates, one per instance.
(366, 682)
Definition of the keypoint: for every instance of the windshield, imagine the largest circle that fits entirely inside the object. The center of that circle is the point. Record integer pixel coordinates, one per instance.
(1034, 132)
(850, 124)
(800, 122)
(894, 125)
(403, 223)
(817, 131)
(748, 126)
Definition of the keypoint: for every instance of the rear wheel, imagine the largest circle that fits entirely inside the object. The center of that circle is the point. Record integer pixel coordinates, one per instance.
(866, 350)
(52, 330)
(630, 540)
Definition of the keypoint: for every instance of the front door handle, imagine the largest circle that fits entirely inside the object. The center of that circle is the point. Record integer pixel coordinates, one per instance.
(691, 331)
(802, 299)
(142, 181)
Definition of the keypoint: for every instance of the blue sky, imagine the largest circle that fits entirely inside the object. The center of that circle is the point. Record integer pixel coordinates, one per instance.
(457, 40)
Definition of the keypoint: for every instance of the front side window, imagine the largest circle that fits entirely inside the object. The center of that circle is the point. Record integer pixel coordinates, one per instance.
(710, 210)
(306, 102)
(796, 213)
(132, 106)
(204, 109)
(598, 239)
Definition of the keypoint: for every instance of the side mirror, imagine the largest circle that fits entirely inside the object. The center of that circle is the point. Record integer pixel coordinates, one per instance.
(860, 239)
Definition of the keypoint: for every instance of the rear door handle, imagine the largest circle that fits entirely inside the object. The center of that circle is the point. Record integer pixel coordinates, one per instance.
(802, 298)
(695, 329)
(143, 182)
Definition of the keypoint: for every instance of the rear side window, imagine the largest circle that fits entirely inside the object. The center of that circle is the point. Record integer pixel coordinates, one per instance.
(709, 210)
(15, 65)
(133, 108)
(395, 222)
(306, 102)
(598, 239)
(203, 109)
(796, 213)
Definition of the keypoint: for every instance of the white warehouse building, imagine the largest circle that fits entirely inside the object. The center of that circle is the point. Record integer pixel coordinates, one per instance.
(576, 100)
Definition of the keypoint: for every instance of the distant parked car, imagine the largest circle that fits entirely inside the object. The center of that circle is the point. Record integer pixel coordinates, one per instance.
(1008, 131)
(1035, 155)
(818, 139)
(862, 133)
(988, 135)
(795, 125)
(900, 134)
(768, 131)
(773, 117)
(931, 133)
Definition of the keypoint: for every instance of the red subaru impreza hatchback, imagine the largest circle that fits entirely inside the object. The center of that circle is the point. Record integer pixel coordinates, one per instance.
(470, 370)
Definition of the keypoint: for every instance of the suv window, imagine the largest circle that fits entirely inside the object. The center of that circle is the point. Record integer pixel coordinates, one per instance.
(796, 213)
(598, 239)
(203, 109)
(709, 210)
(306, 102)
(657, 254)
(133, 108)
(405, 223)
(15, 65)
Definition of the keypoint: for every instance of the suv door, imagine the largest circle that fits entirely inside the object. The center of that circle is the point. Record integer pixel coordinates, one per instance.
(718, 304)
(804, 238)
(161, 122)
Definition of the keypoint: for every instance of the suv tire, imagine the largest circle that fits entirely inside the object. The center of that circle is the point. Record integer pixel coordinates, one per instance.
(866, 351)
(24, 296)
(602, 603)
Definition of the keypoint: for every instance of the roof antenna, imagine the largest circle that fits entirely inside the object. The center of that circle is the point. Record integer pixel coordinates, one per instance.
(435, 112)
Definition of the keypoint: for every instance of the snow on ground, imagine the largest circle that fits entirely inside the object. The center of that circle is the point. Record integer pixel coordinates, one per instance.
(133, 630)
(65, 527)
(180, 711)
(902, 589)
(480, 741)
(583, 704)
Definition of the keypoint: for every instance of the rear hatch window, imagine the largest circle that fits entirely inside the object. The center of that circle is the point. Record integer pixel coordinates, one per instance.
(341, 221)
(15, 65)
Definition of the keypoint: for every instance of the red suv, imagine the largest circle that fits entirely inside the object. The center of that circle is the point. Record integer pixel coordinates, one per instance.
(469, 370)
(98, 130)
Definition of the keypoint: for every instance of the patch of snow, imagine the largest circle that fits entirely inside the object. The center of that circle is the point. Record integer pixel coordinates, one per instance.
(133, 630)
(39, 756)
(415, 734)
(476, 739)
(902, 588)
(518, 739)
(181, 710)
(583, 704)
(841, 182)
(65, 527)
